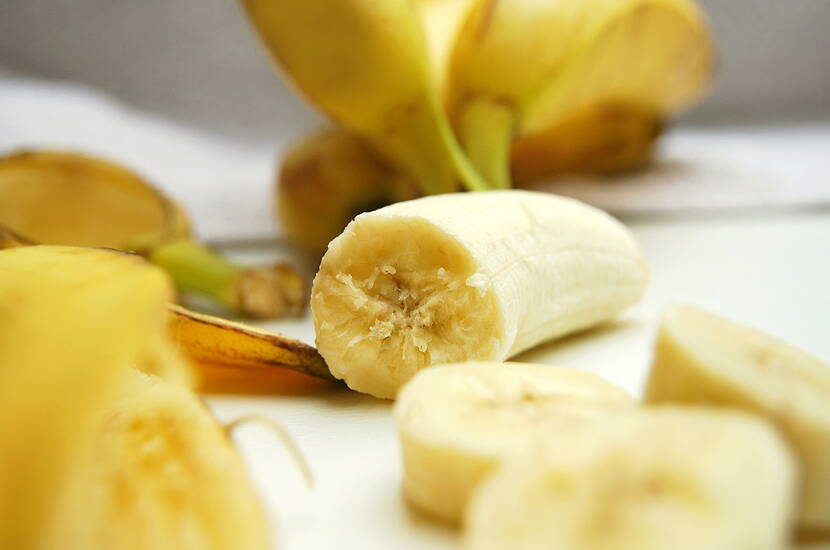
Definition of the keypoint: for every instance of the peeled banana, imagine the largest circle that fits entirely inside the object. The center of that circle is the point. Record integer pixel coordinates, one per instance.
(162, 474)
(462, 277)
(366, 65)
(63, 198)
(706, 360)
(456, 422)
(524, 68)
(671, 478)
(73, 321)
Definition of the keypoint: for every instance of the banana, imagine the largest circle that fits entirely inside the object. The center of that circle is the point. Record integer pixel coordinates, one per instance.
(467, 276)
(97, 455)
(220, 348)
(442, 21)
(672, 478)
(368, 68)
(523, 68)
(456, 422)
(326, 180)
(706, 360)
(162, 474)
(73, 320)
(63, 198)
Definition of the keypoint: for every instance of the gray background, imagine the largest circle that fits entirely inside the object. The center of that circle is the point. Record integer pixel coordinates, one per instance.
(199, 62)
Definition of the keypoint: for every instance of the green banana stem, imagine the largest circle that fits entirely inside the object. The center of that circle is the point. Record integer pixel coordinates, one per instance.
(432, 153)
(263, 292)
(486, 131)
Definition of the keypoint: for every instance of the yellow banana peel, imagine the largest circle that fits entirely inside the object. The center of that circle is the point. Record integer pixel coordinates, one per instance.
(326, 180)
(367, 66)
(528, 69)
(237, 358)
(67, 198)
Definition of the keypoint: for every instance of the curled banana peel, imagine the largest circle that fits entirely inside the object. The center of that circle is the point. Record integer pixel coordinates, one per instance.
(369, 70)
(64, 198)
(235, 358)
(326, 180)
(529, 70)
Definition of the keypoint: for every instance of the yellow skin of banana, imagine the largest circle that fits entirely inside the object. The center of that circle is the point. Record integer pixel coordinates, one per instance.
(76, 420)
(518, 68)
(369, 70)
(65, 198)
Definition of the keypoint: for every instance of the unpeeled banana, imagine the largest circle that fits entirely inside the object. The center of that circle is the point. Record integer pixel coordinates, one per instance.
(64, 198)
(326, 180)
(522, 69)
(705, 360)
(461, 277)
(366, 65)
(456, 422)
(670, 478)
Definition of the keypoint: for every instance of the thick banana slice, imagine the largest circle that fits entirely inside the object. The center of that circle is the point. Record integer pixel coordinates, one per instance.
(162, 475)
(672, 478)
(457, 421)
(461, 277)
(707, 360)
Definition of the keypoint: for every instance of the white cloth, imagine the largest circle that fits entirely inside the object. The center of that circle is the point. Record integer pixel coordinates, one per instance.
(226, 184)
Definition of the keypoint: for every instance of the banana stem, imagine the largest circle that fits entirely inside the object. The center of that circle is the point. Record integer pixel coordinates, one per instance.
(486, 130)
(262, 292)
(434, 156)
(196, 268)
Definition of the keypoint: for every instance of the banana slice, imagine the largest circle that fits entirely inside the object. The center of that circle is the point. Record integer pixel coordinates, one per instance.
(457, 421)
(461, 277)
(163, 475)
(704, 359)
(672, 478)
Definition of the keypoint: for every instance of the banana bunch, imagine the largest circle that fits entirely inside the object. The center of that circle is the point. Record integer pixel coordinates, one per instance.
(71, 199)
(476, 94)
(95, 453)
(466, 277)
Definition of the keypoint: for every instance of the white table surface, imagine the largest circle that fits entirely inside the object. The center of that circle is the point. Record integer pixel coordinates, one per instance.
(770, 271)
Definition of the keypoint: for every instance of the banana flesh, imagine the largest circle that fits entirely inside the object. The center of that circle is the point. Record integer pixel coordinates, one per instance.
(456, 422)
(73, 320)
(671, 478)
(705, 360)
(162, 474)
(461, 277)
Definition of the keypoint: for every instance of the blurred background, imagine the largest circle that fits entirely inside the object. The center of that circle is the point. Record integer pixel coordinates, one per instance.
(183, 91)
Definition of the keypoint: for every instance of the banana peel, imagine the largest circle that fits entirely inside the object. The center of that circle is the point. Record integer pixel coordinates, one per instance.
(529, 69)
(230, 357)
(65, 198)
(326, 180)
(237, 358)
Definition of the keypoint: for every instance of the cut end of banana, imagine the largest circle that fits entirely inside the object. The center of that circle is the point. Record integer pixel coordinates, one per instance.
(703, 359)
(457, 421)
(395, 295)
(672, 478)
